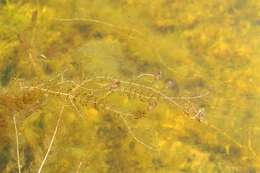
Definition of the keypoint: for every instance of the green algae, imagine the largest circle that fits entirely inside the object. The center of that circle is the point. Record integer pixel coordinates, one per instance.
(7, 74)
(180, 48)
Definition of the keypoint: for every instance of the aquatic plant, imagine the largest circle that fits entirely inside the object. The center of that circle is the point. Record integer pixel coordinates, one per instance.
(97, 94)
(94, 93)
(128, 78)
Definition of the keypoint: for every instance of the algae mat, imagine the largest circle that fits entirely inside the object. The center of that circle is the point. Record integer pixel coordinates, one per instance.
(121, 86)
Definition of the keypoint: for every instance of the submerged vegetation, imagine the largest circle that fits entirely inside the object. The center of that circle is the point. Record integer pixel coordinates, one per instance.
(121, 86)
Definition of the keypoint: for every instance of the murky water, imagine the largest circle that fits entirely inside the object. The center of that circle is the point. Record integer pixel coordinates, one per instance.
(121, 86)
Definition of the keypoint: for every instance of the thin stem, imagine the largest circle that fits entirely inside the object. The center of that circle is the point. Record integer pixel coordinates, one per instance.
(96, 21)
(80, 163)
(122, 116)
(191, 97)
(17, 145)
(75, 107)
(52, 139)
(48, 91)
(134, 136)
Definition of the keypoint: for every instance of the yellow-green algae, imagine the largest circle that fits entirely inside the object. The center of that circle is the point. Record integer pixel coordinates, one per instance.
(186, 47)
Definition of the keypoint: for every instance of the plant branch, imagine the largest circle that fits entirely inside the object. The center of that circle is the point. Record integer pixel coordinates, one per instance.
(17, 145)
(52, 140)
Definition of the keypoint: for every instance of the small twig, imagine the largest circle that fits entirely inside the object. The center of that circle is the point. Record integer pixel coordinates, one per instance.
(145, 75)
(75, 84)
(121, 115)
(104, 97)
(34, 66)
(80, 163)
(134, 136)
(52, 139)
(191, 97)
(107, 108)
(249, 143)
(17, 145)
(96, 21)
(75, 107)
(48, 91)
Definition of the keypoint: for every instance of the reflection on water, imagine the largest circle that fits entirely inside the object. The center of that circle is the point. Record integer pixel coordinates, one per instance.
(129, 86)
